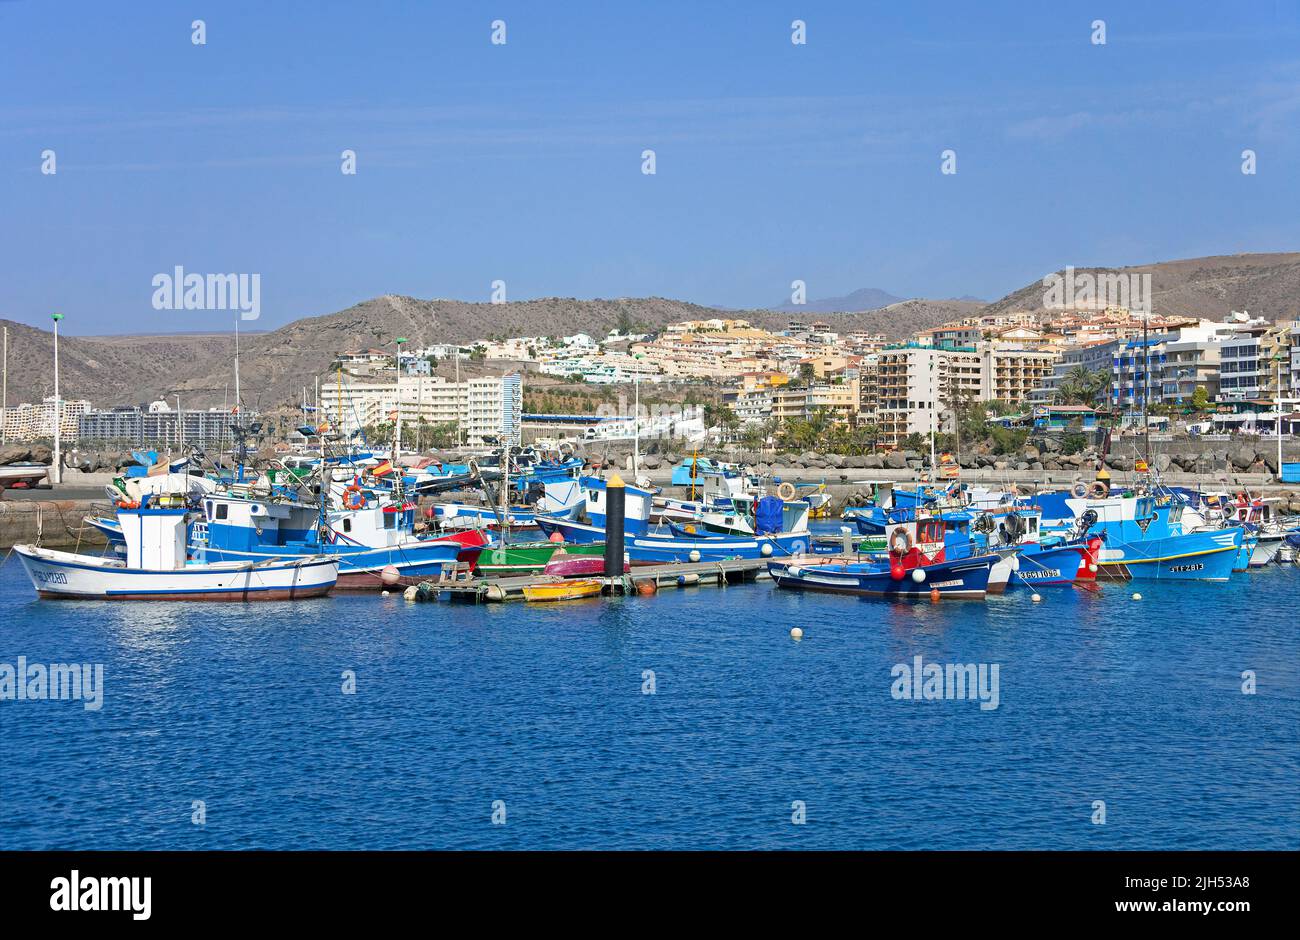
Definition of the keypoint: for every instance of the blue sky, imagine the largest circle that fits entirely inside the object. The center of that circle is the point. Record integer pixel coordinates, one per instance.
(522, 162)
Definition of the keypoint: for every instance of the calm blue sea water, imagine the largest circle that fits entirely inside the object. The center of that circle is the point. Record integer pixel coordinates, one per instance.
(1138, 704)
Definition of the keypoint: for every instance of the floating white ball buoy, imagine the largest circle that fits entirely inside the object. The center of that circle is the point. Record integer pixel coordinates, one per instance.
(766, 549)
(1092, 566)
(918, 575)
(390, 574)
(408, 594)
(694, 555)
(384, 593)
(1137, 596)
(796, 633)
(1036, 598)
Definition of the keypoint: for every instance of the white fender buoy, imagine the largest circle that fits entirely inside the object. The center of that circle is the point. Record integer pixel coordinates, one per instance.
(794, 571)
(918, 575)
(1137, 596)
(766, 549)
(408, 594)
(694, 555)
(796, 633)
(1092, 566)
(1036, 598)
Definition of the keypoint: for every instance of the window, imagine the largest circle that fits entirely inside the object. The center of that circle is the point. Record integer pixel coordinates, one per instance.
(347, 524)
(222, 510)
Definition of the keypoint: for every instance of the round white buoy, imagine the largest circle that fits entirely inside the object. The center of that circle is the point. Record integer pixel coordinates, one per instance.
(408, 594)
(1136, 596)
(1092, 566)
(766, 549)
(1036, 598)
(796, 632)
(384, 593)
(390, 574)
(694, 555)
(918, 575)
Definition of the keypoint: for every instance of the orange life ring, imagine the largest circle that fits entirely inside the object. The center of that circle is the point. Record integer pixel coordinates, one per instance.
(128, 504)
(349, 502)
(900, 535)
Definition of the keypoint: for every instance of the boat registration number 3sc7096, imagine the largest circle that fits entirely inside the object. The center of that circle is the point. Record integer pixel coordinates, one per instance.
(1182, 568)
(52, 577)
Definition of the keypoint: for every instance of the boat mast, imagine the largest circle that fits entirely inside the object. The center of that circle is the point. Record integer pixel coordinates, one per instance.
(1146, 384)
(397, 434)
(505, 490)
(238, 431)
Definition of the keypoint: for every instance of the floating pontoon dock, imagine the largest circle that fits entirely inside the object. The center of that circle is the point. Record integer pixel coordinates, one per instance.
(460, 585)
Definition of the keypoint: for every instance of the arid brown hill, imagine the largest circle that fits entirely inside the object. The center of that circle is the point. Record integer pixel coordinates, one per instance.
(276, 365)
(1267, 285)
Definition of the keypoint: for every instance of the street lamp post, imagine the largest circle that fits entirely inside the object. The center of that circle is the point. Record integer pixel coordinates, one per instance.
(57, 475)
(1278, 423)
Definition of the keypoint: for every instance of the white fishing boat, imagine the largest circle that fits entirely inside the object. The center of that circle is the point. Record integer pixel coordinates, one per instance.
(156, 568)
(24, 474)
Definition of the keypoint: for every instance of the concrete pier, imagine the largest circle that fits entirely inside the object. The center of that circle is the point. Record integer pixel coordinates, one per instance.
(54, 523)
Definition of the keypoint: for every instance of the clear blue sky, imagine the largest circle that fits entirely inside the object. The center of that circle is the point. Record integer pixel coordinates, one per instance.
(523, 162)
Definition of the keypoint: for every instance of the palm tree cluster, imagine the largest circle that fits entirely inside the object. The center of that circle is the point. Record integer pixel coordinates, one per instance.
(1083, 386)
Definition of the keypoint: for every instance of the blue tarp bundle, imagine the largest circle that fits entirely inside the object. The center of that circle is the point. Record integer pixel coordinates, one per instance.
(768, 515)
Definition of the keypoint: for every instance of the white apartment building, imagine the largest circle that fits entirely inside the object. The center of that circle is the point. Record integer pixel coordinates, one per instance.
(609, 368)
(27, 422)
(481, 407)
(916, 386)
(753, 407)
(1294, 338)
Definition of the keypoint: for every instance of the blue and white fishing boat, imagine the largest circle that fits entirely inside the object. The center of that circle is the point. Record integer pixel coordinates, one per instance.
(939, 562)
(374, 542)
(1145, 539)
(965, 578)
(157, 567)
(780, 529)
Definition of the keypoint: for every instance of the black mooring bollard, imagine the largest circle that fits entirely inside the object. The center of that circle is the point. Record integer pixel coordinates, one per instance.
(615, 501)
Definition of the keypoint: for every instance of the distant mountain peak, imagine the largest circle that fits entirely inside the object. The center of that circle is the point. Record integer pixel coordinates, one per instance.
(864, 298)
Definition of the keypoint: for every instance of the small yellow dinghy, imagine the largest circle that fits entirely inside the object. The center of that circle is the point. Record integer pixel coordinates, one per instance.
(562, 590)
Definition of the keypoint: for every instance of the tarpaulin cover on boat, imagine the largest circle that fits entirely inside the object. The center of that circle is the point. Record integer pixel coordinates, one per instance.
(768, 514)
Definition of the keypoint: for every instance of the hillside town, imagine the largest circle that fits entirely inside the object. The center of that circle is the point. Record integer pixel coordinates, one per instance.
(808, 385)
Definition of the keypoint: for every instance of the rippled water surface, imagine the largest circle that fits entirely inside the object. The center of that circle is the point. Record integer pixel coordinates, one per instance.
(1137, 704)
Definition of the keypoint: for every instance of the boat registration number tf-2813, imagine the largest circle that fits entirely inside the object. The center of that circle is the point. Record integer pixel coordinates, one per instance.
(1182, 568)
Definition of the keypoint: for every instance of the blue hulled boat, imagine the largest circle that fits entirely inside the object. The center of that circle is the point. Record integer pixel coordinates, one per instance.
(366, 540)
(1145, 539)
(965, 578)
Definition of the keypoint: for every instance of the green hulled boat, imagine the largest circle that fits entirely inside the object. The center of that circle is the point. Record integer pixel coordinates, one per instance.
(528, 557)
